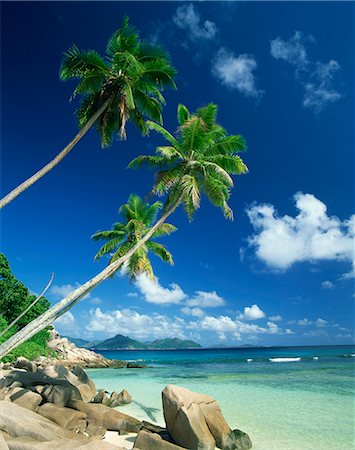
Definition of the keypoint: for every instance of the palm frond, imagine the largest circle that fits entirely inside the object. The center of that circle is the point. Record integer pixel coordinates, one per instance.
(161, 130)
(109, 247)
(160, 251)
(164, 230)
(78, 63)
(208, 114)
(183, 114)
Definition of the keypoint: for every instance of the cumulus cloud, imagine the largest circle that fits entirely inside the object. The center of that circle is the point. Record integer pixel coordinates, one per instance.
(252, 313)
(136, 325)
(187, 18)
(316, 78)
(304, 322)
(155, 293)
(276, 318)
(236, 72)
(204, 299)
(320, 323)
(67, 325)
(61, 291)
(312, 235)
(225, 325)
(327, 284)
(195, 312)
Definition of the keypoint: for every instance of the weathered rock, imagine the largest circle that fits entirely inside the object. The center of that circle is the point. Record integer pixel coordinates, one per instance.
(152, 441)
(21, 422)
(194, 420)
(96, 430)
(60, 395)
(131, 365)
(86, 392)
(16, 384)
(60, 372)
(152, 427)
(63, 444)
(24, 363)
(3, 444)
(65, 417)
(26, 398)
(106, 417)
(123, 398)
(239, 441)
(101, 397)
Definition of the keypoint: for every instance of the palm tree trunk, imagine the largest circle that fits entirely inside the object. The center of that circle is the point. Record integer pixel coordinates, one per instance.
(27, 183)
(70, 300)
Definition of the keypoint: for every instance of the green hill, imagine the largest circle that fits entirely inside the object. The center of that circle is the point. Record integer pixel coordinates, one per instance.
(119, 342)
(173, 343)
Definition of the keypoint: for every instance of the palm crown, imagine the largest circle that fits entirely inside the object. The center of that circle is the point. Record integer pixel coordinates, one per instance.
(201, 157)
(138, 217)
(131, 76)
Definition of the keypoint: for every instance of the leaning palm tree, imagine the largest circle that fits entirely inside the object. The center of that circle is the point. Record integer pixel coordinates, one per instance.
(138, 218)
(200, 158)
(124, 85)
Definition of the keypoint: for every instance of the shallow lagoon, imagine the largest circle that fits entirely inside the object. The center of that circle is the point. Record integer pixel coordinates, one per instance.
(281, 401)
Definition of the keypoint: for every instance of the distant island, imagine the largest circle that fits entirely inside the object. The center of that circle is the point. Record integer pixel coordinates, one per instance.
(120, 342)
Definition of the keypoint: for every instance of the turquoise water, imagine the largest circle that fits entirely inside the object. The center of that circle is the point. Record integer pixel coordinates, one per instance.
(283, 404)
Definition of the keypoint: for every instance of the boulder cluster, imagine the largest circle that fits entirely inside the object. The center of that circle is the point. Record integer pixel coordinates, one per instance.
(50, 407)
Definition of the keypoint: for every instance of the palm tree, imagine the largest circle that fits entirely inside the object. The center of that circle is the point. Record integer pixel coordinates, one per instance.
(138, 217)
(124, 85)
(200, 159)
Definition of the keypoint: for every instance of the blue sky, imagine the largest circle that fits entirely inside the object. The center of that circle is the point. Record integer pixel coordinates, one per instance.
(282, 74)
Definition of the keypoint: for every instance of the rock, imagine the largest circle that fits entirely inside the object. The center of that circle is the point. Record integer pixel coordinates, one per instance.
(65, 417)
(152, 441)
(152, 427)
(60, 395)
(86, 392)
(63, 444)
(123, 398)
(194, 420)
(101, 397)
(96, 430)
(24, 363)
(80, 374)
(239, 441)
(106, 417)
(16, 384)
(131, 365)
(3, 444)
(21, 422)
(26, 398)
(60, 372)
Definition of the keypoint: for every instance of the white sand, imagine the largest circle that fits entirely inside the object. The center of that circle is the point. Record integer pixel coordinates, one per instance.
(126, 441)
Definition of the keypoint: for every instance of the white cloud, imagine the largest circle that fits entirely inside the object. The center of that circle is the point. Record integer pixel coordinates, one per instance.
(327, 284)
(236, 72)
(67, 325)
(292, 51)
(195, 312)
(304, 322)
(224, 325)
(204, 299)
(135, 325)
(312, 235)
(132, 294)
(154, 293)
(316, 78)
(252, 313)
(276, 318)
(61, 291)
(320, 323)
(187, 18)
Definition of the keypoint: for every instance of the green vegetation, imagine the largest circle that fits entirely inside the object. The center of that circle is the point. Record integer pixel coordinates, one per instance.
(138, 218)
(124, 85)
(15, 298)
(120, 342)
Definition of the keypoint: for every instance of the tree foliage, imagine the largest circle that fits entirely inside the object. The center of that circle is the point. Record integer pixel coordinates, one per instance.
(15, 298)
(138, 217)
(132, 75)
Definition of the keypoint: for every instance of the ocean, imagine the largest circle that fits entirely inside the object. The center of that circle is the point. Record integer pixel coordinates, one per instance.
(285, 398)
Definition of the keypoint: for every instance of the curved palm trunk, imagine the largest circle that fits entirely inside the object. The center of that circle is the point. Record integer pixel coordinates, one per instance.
(26, 184)
(70, 300)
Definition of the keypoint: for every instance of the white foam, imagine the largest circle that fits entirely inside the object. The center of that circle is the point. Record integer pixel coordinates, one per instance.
(284, 359)
(249, 359)
(315, 357)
